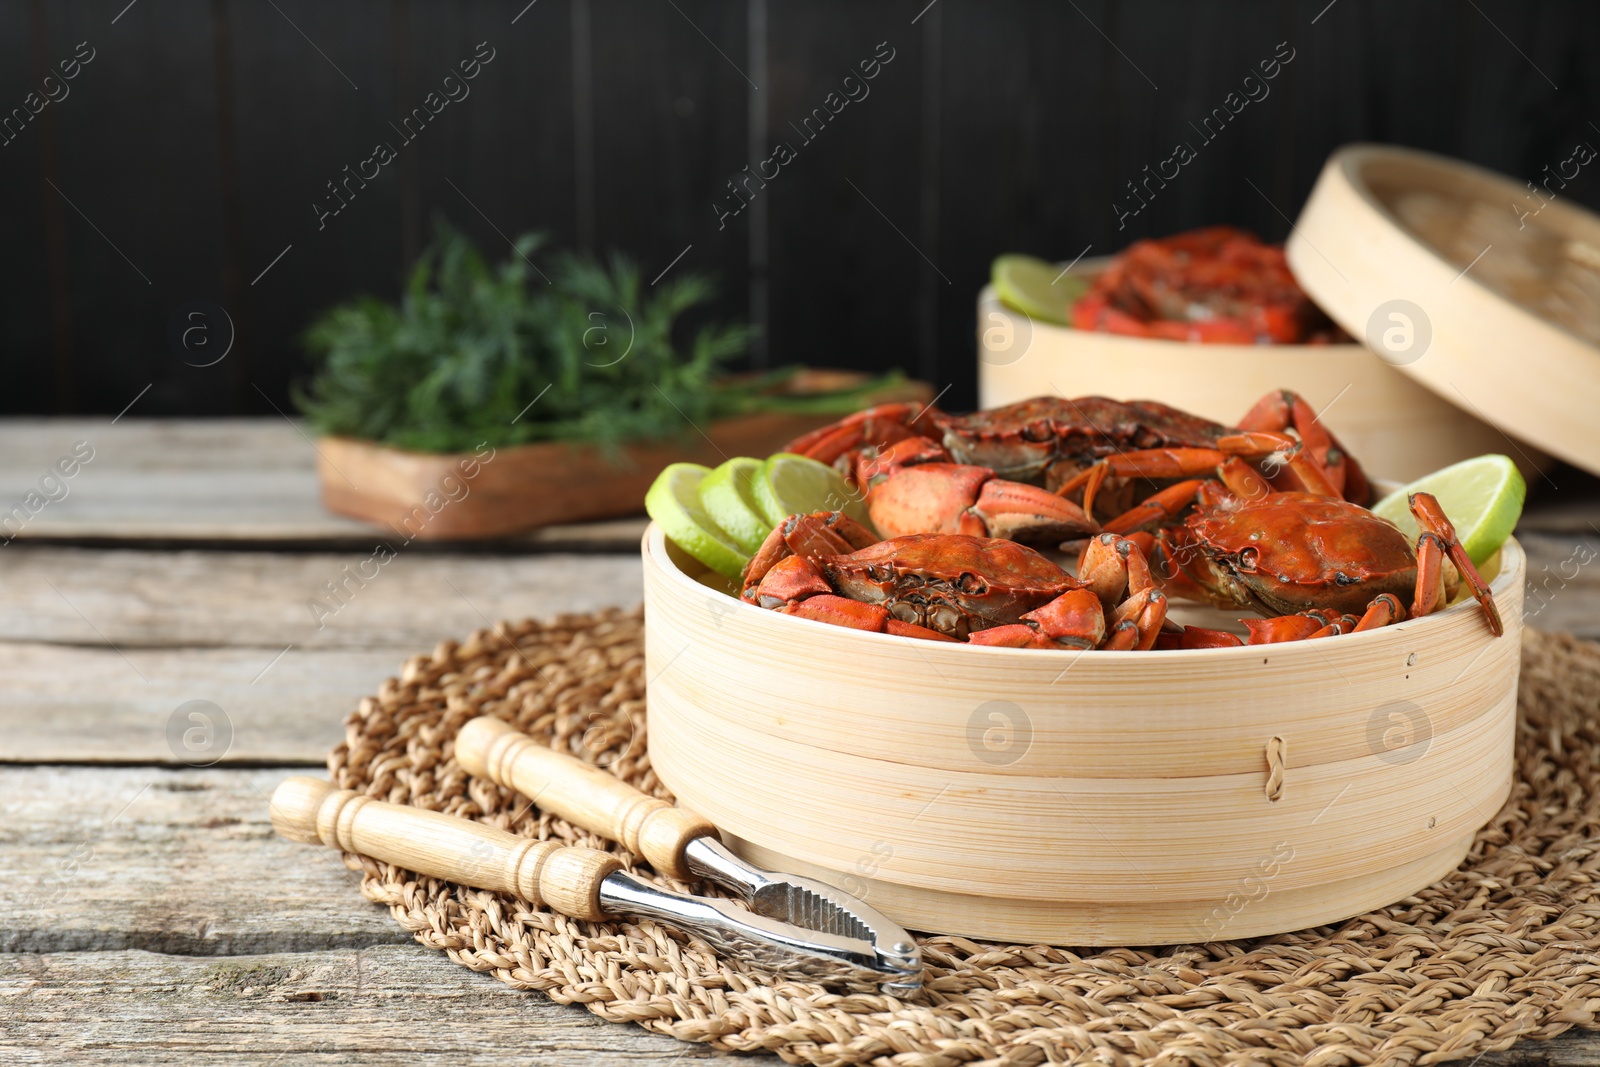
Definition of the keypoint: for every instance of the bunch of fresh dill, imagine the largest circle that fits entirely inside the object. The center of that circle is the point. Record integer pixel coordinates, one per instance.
(573, 350)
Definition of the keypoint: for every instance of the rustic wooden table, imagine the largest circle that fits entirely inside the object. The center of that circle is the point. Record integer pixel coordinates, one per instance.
(147, 910)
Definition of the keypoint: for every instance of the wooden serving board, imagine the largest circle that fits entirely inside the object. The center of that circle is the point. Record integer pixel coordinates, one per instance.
(495, 492)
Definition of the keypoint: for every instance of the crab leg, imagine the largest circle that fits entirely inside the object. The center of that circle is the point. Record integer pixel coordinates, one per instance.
(796, 586)
(1384, 610)
(1438, 539)
(882, 425)
(1172, 547)
(1307, 625)
(1430, 594)
(1224, 460)
(1154, 510)
(1147, 463)
(873, 465)
(1260, 443)
(1282, 409)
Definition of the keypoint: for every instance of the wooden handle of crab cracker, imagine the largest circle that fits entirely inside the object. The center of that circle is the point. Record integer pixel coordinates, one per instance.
(583, 794)
(458, 850)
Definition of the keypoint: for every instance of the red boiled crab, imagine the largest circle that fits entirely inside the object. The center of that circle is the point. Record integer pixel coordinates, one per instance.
(1315, 564)
(1217, 284)
(924, 471)
(948, 587)
(892, 442)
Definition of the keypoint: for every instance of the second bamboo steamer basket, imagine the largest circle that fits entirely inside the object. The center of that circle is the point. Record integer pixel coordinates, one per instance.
(1497, 276)
(1390, 422)
(1085, 798)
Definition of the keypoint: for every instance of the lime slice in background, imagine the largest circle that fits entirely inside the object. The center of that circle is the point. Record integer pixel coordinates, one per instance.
(728, 496)
(791, 485)
(674, 502)
(1030, 286)
(1481, 496)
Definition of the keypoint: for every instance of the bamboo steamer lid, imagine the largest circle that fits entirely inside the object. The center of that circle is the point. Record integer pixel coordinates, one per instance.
(1483, 289)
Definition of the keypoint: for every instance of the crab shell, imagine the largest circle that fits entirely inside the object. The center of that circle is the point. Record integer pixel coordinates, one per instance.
(1019, 441)
(953, 583)
(1291, 552)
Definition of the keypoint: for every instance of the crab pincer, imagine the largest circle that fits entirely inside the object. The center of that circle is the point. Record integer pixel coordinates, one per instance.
(960, 498)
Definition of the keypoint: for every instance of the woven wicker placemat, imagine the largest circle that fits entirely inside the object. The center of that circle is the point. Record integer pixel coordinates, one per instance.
(1507, 947)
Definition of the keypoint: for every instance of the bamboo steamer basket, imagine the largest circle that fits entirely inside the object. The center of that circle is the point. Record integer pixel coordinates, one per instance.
(1085, 798)
(1387, 421)
(1490, 272)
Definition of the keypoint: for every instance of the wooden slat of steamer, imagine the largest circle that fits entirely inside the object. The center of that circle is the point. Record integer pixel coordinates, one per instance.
(1115, 919)
(1163, 839)
(1190, 713)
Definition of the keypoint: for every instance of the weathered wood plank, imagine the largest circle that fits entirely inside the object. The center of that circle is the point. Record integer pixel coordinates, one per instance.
(135, 892)
(387, 1003)
(168, 861)
(1563, 591)
(150, 914)
(82, 705)
(410, 599)
(397, 1003)
(253, 481)
(248, 480)
(161, 611)
(99, 649)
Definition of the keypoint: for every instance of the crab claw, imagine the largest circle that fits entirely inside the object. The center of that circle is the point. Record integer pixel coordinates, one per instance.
(1283, 628)
(1202, 637)
(842, 611)
(821, 533)
(1072, 620)
(790, 580)
(1112, 566)
(959, 498)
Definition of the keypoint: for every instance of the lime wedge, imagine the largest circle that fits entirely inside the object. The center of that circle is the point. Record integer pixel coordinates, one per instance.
(1036, 288)
(674, 502)
(791, 485)
(728, 496)
(1481, 496)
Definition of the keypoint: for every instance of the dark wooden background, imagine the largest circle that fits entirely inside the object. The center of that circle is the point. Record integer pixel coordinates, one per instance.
(190, 150)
